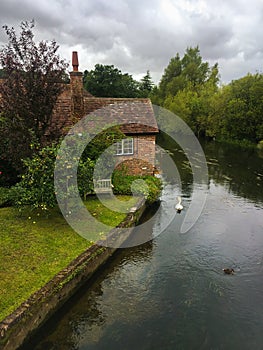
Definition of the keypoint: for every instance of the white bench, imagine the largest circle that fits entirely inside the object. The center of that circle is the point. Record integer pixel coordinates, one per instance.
(103, 186)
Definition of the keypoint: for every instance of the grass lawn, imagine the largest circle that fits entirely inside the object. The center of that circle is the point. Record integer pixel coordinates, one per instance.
(35, 246)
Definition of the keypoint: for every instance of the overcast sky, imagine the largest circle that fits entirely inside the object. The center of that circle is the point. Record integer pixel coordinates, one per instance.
(136, 35)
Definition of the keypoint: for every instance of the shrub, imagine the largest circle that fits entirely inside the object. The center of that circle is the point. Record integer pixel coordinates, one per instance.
(85, 176)
(37, 185)
(9, 196)
(260, 145)
(4, 192)
(147, 185)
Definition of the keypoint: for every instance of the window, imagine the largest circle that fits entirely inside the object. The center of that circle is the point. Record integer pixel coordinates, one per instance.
(124, 147)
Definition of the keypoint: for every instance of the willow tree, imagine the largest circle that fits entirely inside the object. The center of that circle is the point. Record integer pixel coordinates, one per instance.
(33, 73)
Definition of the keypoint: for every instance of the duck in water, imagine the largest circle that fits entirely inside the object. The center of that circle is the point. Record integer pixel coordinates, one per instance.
(179, 206)
(229, 271)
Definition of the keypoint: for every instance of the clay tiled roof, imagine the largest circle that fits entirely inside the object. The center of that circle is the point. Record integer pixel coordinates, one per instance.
(134, 115)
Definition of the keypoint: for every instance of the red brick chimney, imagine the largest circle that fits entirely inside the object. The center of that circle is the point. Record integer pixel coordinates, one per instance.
(75, 61)
(77, 103)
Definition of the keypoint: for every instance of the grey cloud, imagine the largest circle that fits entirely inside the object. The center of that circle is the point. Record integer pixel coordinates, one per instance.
(16, 11)
(137, 35)
(214, 38)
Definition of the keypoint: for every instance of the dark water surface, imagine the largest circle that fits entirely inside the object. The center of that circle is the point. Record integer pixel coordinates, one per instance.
(171, 293)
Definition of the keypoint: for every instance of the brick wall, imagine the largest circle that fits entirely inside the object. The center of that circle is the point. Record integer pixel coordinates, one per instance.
(142, 162)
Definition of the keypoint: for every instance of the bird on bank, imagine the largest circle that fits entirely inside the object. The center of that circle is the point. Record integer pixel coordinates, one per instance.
(179, 206)
(229, 271)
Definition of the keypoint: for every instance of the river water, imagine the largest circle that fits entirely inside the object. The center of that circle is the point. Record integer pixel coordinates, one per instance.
(171, 292)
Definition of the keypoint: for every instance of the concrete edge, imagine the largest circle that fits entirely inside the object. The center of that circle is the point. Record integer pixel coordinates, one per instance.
(41, 305)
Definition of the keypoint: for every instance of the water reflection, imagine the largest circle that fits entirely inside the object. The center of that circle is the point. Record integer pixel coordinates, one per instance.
(171, 293)
(238, 170)
(235, 168)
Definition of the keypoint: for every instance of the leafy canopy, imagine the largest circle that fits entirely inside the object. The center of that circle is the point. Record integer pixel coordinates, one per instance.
(239, 115)
(187, 87)
(109, 81)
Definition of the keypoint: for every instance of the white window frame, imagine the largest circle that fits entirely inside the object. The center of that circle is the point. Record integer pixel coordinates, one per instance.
(125, 147)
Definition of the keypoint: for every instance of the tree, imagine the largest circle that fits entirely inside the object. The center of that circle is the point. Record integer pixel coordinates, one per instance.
(241, 109)
(32, 84)
(188, 71)
(187, 87)
(108, 81)
(171, 73)
(194, 69)
(146, 85)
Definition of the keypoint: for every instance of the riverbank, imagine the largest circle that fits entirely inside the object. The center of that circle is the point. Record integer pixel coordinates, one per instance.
(16, 327)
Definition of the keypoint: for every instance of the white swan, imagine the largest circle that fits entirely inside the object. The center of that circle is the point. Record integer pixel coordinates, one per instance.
(179, 206)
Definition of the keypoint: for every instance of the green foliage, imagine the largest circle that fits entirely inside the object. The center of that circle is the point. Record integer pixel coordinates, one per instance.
(170, 81)
(148, 186)
(102, 141)
(109, 81)
(37, 185)
(9, 196)
(85, 176)
(260, 145)
(187, 87)
(146, 85)
(4, 196)
(242, 111)
(190, 71)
